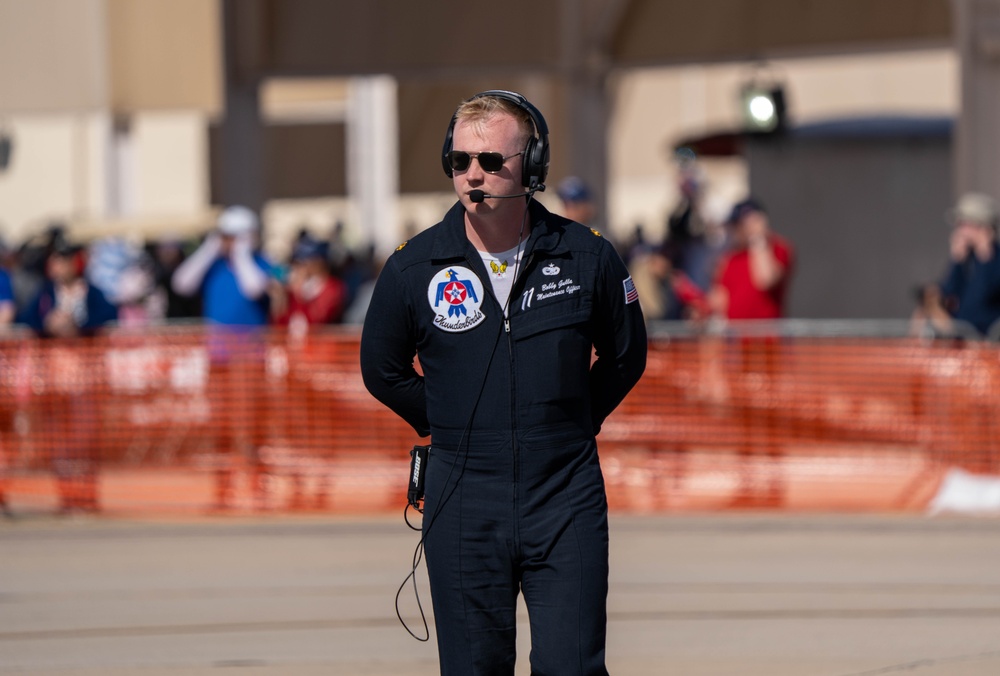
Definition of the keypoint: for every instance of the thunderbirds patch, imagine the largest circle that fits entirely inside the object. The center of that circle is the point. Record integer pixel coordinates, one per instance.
(456, 294)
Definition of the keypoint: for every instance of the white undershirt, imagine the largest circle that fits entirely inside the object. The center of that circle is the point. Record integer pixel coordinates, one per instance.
(500, 268)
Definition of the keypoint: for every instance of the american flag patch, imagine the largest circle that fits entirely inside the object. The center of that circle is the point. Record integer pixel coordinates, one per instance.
(631, 295)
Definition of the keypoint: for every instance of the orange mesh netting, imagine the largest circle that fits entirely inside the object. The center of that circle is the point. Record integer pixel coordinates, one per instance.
(180, 420)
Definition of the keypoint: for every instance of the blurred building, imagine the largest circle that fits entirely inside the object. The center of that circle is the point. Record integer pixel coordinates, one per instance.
(144, 116)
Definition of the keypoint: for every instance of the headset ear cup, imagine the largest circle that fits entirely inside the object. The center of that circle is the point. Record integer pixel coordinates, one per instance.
(446, 148)
(541, 159)
(529, 170)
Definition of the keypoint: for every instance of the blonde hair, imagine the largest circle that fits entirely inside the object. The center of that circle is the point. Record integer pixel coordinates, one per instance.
(477, 111)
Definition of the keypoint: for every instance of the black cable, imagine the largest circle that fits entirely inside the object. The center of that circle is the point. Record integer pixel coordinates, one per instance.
(464, 439)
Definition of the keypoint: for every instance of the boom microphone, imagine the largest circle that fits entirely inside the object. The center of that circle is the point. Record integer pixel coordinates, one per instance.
(477, 196)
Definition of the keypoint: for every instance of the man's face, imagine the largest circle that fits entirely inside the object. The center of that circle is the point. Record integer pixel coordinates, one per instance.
(499, 134)
(62, 269)
(752, 224)
(975, 229)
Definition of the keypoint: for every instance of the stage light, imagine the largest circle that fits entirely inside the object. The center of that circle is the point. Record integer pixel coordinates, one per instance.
(763, 108)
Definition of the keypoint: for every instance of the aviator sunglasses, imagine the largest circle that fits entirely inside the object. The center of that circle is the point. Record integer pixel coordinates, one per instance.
(490, 162)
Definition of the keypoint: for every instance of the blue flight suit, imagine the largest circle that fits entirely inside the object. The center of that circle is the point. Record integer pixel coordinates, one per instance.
(515, 498)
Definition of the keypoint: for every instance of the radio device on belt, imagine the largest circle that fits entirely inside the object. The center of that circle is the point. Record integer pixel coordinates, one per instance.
(418, 466)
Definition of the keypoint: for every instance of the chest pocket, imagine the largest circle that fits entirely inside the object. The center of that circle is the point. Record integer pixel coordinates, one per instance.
(573, 311)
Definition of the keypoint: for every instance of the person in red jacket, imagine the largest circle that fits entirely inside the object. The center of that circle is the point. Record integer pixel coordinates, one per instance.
(752, 278)
(752, 283)
(314, 295)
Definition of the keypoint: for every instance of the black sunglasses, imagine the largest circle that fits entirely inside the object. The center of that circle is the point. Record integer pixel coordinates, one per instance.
(490, 162)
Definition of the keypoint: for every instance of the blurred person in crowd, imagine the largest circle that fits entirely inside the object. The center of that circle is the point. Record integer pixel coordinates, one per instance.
(970, 290)
(505, 303)
(314, 296)
(685, 224)
(695, 238)
(752, 278)
(31, 258)
(637, 244)
(8, 302)
(229, 272)
(123, 271)
(356, 269)
(166, 255)
(68, 306)
(752, 283)
(577, 200)
(233, 278)
(8, 311)
(338, 249)
(358, 308)
(666, 293)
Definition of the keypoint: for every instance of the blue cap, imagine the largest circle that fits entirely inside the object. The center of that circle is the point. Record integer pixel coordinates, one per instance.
(573, 189)
(309, 248)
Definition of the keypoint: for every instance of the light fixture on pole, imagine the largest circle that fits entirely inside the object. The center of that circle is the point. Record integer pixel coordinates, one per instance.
(763, 107)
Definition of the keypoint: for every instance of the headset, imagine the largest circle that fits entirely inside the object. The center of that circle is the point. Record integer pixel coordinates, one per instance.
(535, 161)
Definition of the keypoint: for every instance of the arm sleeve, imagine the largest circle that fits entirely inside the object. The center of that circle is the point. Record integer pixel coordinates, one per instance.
(619, 338)
(100, 311)
(388, 348)
(250, 277)
(189, 275)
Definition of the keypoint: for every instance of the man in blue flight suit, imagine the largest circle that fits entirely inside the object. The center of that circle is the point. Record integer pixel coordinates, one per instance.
(505, 304)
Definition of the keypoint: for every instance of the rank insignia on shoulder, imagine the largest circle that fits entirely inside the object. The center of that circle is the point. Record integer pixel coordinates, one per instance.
(400, 247)
(596, 232)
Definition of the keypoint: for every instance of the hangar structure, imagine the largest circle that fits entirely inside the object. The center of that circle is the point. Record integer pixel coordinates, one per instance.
(560, 53)
(218, 56)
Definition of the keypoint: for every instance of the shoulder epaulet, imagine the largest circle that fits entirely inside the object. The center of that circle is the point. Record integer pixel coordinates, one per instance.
(596, 232)
(400, 247)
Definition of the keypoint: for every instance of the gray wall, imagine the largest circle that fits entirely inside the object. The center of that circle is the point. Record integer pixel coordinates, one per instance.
(865, 213)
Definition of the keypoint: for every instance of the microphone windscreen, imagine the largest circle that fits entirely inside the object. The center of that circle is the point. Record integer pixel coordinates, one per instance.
(477, 196)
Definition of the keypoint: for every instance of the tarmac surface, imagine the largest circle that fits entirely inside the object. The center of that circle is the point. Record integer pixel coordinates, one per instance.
(691, 595)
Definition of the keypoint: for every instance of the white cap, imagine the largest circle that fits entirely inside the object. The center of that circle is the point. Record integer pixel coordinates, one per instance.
(975, 207)
(237, 220)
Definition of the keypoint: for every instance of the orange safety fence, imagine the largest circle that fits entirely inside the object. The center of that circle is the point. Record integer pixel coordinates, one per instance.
(181, 420)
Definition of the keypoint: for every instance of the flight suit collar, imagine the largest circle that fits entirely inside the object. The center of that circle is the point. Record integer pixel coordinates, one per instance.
(546, 236)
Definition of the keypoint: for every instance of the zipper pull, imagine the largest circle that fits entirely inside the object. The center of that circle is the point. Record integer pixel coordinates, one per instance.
(506, 325)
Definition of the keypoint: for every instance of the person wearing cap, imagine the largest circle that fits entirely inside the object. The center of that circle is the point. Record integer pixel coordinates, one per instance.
(229, 273)
(68, 306)
(968, 298)
(314, 295)
(751, 280)
(233, 279)
(577, 200)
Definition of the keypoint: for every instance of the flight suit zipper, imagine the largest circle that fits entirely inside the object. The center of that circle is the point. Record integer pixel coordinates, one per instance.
(515, 448)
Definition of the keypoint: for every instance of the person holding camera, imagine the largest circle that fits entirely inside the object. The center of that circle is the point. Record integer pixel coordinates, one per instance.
(233, 279)
(968, 298)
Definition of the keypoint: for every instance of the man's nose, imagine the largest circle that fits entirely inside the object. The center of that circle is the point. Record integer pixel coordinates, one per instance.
(474, 172)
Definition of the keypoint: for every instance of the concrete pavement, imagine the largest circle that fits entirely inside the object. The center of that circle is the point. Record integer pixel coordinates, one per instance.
(692, 595)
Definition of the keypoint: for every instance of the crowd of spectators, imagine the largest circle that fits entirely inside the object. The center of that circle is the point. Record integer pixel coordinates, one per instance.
(58, 287)
(705, 268)
(55, 287)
